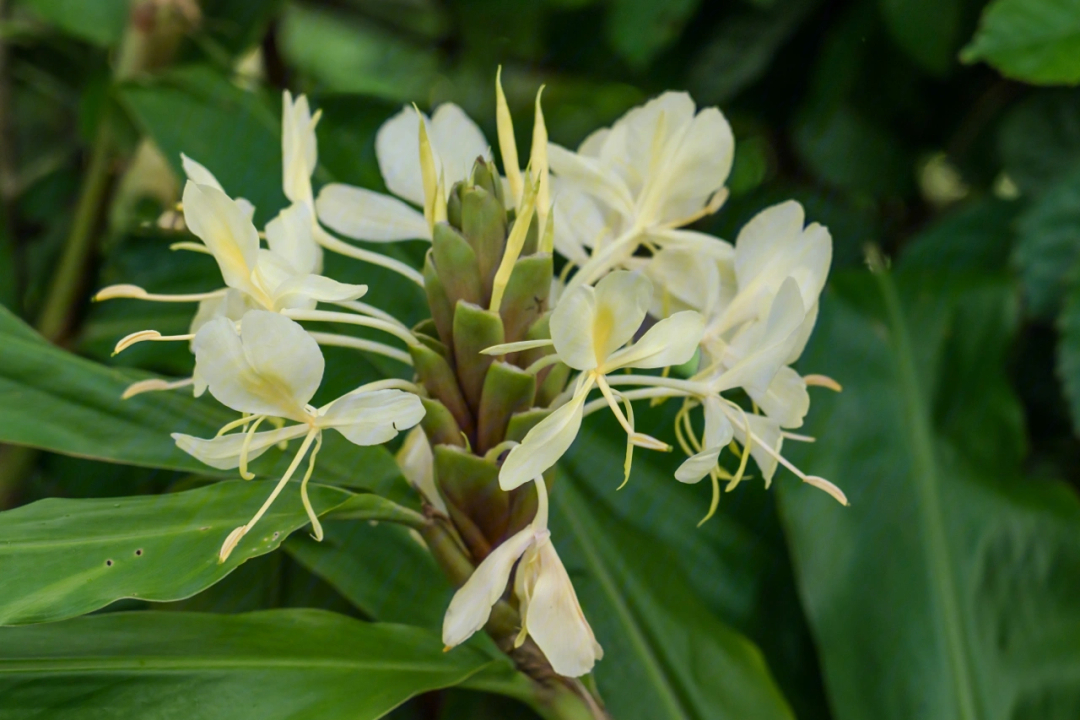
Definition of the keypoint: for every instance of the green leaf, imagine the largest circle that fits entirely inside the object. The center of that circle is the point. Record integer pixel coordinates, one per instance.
(398, 582)
(742, 48)
(1068, 351)
(347, 56)
(666, 654)
(56, 401)
(63, 558)
(100, 22)
(1036, 41)
(946, 590)
(273, 665)
(927, 30)
(638, 30)
(977, 237)
(1039, 139)
(1047, 245)
(196, 111)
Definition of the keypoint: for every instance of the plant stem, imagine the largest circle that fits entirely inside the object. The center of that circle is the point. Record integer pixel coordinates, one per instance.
(67, 283)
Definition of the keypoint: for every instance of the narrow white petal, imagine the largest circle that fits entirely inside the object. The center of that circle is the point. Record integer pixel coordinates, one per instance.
(417, 463)
(367, 215)
(299, 148)
(223, 452)
(786, 399)
(768, 430)
(225, 229)
(303, 291)
(372, 418)
(672, 341)
(471, 606)
(543, 445)
(718, 433)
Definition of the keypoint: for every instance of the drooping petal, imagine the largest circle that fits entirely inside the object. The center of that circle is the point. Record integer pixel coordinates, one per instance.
(398, 152)
(554, 618)
(303, 291)
(571, 326)
(471, 606)
(767, 431)
(372, 418)
(672, 341)
(785, 400)
(544, 444)
(457, 141)
(223, 452)
(299, 148)
(225, 229)
(289, 235)
(197, 173)
(622, 301)
(366, 215)
(417, 463)
(718, 433)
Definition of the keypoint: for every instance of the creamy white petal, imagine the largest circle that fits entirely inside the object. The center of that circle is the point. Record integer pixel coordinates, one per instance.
(592, 145)
(372, 418)
(197, 173)
(580, 222)
(683, 281)
(764, 428)
(543, 445)
(299, 148)
(718, 433)
(756, 369)
(571, 327)
(225, 229)
(695, 169)
(284, 356)
(554, 618)
(302, 292)
(458, 142)
(397, 148)
(786, 399)
(588, 175)
(223, 452)
(417, 463)
(471, 606)
(289, 235)
(763, 238)
(803, 333)
(622, 301)
(366, 215)
(672, 341)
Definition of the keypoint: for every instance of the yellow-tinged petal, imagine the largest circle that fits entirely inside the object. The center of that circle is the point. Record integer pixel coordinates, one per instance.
(223, 452)
(373, 417)
(471, 606)
(672, 341)
(554, 618)
(538, 162)
(227, 232)
(544, 444)
(622, 301)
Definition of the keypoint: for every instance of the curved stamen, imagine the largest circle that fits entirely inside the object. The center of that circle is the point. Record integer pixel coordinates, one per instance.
(247, 444)
(134, 292)
(316, 526)
(352, 319)
(372, 346)
(332, 244)
(145, 336)
(154, 385)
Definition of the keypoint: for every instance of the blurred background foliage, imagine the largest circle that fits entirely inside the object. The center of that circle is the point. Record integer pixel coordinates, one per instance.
(943, 135)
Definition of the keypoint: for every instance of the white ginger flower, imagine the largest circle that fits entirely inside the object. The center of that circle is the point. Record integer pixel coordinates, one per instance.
(589, 329)
(659, 167)
(549, 608)
(271, 369)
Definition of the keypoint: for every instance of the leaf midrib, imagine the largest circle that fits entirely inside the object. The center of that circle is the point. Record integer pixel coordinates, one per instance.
(935, 544)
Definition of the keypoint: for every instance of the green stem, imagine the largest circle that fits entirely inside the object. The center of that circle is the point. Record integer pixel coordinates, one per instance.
(66, 286)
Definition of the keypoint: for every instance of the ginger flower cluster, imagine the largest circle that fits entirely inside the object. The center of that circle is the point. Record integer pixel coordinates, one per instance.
(558, 289)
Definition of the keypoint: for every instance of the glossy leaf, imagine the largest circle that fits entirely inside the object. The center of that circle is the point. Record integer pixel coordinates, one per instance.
(64, 558)
(673, 658)
(273, 665)
(56, 401)
(949, 588)
(1036, 41)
